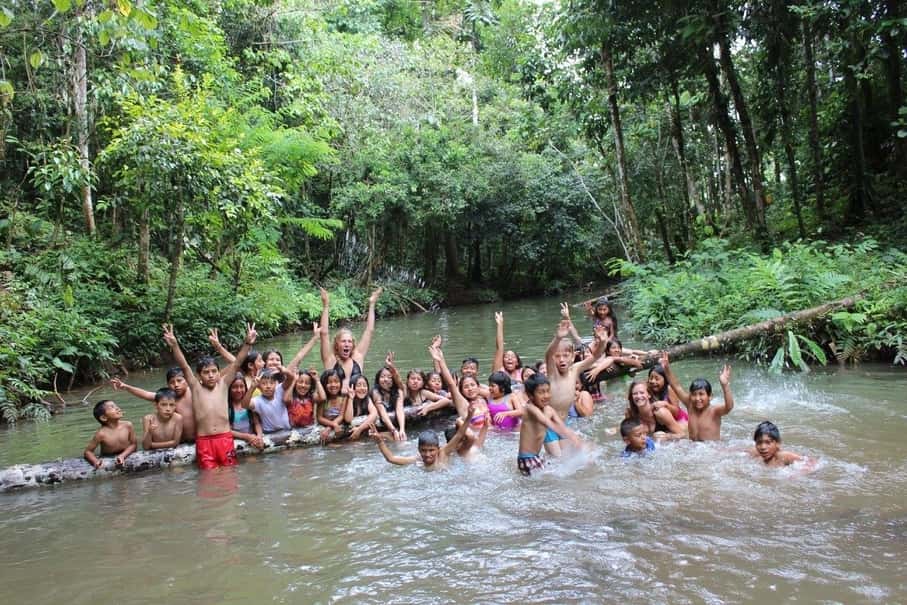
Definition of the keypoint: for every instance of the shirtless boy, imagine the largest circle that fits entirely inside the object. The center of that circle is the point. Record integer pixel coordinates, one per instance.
(210, 392)
(538, 419)
(562, 371)
(163, 428)
(705, 419)
(768, 447)
(431, 454)
(116, 436)
(176, 380)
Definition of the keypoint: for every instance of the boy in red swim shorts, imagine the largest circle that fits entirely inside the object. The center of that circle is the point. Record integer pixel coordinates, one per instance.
(210, 389)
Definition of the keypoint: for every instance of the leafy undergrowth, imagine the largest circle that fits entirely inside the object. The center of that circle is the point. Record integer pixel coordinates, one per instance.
(718, 288)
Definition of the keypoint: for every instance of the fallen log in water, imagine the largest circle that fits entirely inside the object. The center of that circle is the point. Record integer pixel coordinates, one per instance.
(718, 341)
(76, 469)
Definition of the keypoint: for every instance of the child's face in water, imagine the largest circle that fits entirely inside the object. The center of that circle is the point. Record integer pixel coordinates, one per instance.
(178, 384)
(700, 399)
(429, 454)
(637, 439)
(767, 448)
(542, 395)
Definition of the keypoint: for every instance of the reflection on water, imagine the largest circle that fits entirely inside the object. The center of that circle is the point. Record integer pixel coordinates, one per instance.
(694, 523)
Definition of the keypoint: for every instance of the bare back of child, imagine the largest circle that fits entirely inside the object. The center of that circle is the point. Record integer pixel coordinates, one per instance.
(116, 437)
(705, 419)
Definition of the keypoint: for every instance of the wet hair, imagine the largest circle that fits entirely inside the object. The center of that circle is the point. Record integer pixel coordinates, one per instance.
(338, 336)
(335, 371)
(267, 354)
(271, 374)
(519, 360)
(768, 429)
(611, 343)
(429, 438)
(657, 369)
(534, 382)
(174, 372)
(627, 425)
(165, 393)
(100, 408)
(604, 302)
(205, 361)
(631, 405)
(502, 380)
(701, 384)
(247, 364)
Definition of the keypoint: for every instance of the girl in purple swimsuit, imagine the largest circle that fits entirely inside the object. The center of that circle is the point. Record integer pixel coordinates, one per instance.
(504, 413)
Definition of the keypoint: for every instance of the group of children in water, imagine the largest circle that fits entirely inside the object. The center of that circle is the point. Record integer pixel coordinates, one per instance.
(256, 394)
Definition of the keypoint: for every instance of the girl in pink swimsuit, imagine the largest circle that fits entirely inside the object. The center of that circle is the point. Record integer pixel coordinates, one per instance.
(504, 414)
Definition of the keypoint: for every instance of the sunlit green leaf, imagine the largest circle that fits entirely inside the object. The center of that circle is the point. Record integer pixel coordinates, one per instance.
(62, 5)
(36, 59)
(6, 16)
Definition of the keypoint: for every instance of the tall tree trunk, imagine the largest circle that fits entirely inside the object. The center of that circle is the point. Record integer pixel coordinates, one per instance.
(451, 257)
(143, 275)
(859, 198)
(475, 269)
(749, 135)
(726, 127)
(895, 89)
(630, 222)
(79, 84)
(692, 204)
(786, 138)
(814, 145)
(663, 232)
(176, 255)
(426, 14)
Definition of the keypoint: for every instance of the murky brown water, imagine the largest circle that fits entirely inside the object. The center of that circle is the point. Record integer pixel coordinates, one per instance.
(691, 524)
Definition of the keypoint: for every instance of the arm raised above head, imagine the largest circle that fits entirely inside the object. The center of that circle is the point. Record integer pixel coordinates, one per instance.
(118, 385)
(388, 455)
(327, 353)
(214, 339)
(366, 340)
(682, 393)
(725, 379)
(459, 401)
(498, 362)
(248, 341)
(170, 339)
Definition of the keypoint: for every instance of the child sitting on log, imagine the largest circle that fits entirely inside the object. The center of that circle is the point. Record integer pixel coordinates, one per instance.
(705, 419)
(116, 436)
(176, 380)
(164, 428)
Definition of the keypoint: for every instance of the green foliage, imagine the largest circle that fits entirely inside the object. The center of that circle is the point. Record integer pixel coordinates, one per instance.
(719, 288)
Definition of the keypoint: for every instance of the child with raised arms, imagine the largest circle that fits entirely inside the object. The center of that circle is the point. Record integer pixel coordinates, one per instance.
(539, 418)
(506, 361)
(345, 353)
(210, 396)
(562, 371)
(176, 380)
(116, 437)
(705, 419)
(464, 393)
(163, 428)
(431, 454)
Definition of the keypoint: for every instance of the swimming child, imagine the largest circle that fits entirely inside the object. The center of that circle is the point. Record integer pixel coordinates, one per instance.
(768, 447)
(636, 437)
(116, 436)
(244, 424)
(431, 454)
(471, 443)
(360, 404)
(465, 393)
(658, 422)
(705, 419)
(210, 396)
(345, 353)
(177, 383)
(505, 407)
(562, 370)
(540, 421)
(163, 428)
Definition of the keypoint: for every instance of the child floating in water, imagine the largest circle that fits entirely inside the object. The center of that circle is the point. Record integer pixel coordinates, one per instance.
(636, 437)
(541, 425)
(768, 447)
(705, 419)
(431, 454)
(164, 428)
(116, 436)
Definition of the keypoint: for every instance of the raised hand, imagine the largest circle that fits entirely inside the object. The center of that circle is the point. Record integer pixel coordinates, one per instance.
(498, 317)
(169, 336)
(436, 341)
(375, 435)
(601, 332)
(214, 338)
(436, 353)
(725, 377)
(316, 330)
(325, 297)
(251, 334)
(563, 328)
(116, 383)
(664, 360)
(374, 297)
(389, 359)
(565, 311)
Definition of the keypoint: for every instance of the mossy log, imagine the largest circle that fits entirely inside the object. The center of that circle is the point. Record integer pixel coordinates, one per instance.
(716, 342)
(77, 469)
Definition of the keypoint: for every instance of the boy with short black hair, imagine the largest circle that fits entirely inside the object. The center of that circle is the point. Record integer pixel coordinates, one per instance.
(768, 446)
(176, 381)
(431, 454)
(539, 421)
(637, 439)
(705, 419)
(164, 428)
(268, 404)
(116, 436)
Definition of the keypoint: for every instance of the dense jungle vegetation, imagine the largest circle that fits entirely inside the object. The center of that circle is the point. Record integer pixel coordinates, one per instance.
(209, 162)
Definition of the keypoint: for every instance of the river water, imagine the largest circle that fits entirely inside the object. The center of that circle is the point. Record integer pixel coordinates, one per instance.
(693, 523)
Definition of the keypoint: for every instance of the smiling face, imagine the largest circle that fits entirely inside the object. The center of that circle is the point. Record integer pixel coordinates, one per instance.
(165, 408)
(237, 390)
(469, 368)
(542, 395)
(511, 361)
(494, 389)
(602, 311)
(267, 385)
(303, 384)
(656, 383)
(469, 387)
(332, 386)
(767, 448)
(360, 388)
(640, 398)
(344, 344)
(614, 349)
(700, 399)
(385, 380)
(273, 361)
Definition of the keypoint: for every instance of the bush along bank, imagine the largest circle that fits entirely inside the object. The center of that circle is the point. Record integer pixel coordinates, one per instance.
(719, 288)
(75, 314)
